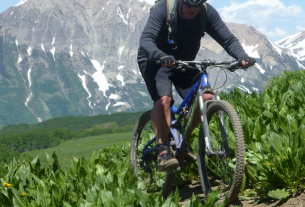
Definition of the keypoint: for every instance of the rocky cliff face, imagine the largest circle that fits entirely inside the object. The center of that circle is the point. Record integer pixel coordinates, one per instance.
(78, 57)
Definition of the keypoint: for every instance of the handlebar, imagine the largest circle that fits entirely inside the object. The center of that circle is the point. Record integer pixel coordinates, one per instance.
(230, 65)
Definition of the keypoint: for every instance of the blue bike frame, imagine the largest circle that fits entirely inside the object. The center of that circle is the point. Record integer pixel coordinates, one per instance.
(201, 83)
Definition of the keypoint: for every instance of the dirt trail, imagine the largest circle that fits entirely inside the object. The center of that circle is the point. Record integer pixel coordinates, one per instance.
(186, 194)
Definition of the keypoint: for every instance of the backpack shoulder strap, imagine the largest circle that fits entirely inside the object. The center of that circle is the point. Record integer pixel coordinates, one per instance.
(171, 9)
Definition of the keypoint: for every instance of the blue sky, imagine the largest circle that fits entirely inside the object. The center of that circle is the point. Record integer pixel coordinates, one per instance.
(276, 19)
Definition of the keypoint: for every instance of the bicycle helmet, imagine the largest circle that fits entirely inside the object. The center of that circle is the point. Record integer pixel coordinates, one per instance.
(194, 2)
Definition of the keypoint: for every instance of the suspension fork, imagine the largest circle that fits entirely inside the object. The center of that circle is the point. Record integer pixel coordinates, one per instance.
(204, 123)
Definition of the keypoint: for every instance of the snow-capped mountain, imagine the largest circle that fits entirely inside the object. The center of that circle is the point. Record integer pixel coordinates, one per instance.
(295, 46)
(78, 57)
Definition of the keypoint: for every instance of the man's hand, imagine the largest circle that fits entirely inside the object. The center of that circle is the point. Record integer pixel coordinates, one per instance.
(166, 60)
(246, 61)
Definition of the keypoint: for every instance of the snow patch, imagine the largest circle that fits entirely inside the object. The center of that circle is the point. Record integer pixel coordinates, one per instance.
(107, 107)
(300, 65)
(21, 2)
(42, 47)
(83, 54)
(251, 50)
(53, 52)
(255, 89)
(243, 88)
(12, 13)
(119, 11)
(29, 50)
(120, 51)
(99, 77)
(259, 68)
(19, 59)
(128, 13)
(83, 78)
(39, 119)
(278, 50)
(119, 104)
(242, 80)
(134, 71)
(287, 40)
(53, 41)
(121, 67)
(120, 78)
(113, 96)
(30, 83)
(71, 53)
(16, 42)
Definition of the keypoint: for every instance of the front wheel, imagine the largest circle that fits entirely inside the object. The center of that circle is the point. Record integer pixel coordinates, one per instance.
(224, 167)
(149, 178)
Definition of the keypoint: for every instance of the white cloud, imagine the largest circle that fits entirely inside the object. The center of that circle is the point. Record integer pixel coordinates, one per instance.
(274, 33)
(272, 17)
(259, 12)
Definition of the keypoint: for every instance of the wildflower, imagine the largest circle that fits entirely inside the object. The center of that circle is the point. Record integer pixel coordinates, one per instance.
(267, 89)
(5, 184)
(290, 82)
(269, 163)
(24, 194)
(216, 132)
(283, 157)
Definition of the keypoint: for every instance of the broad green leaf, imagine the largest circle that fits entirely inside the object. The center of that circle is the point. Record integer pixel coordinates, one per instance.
(17, 199)
(4, 201)
(66, 204)
(278, 194)
(244, 198)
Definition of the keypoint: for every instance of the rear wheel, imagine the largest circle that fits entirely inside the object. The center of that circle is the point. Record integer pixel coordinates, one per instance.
(146, 170)
(225, 167)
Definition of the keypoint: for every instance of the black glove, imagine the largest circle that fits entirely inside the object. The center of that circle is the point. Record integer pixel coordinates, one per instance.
(248, 59)
(165, 59)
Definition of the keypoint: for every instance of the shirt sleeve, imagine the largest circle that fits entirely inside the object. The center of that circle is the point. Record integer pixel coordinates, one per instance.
(217, 29)
(156, 21)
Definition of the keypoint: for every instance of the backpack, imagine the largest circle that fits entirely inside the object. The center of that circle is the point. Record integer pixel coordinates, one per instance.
(171, 13)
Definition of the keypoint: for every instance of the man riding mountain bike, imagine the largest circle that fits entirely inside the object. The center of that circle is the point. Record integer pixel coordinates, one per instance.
(166, 40)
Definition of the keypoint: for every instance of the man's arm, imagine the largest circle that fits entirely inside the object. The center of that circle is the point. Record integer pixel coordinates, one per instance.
(155, 22)
(221, 34)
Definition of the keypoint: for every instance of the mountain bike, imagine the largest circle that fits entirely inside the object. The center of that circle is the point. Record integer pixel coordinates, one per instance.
(221, 153)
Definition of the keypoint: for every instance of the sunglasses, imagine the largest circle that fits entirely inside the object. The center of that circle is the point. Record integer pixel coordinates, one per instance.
(191, 5)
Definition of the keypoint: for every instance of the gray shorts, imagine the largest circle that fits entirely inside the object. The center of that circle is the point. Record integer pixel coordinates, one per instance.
(159, 80)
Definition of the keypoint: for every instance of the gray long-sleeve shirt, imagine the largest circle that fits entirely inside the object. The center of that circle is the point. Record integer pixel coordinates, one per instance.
(153, 41)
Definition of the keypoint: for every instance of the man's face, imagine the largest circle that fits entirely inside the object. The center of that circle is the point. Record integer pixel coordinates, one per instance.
(187, 11)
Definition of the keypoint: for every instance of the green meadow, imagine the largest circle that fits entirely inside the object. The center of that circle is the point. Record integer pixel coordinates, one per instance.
(78, 147)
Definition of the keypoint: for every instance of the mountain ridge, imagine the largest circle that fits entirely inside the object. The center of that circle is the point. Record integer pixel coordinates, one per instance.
(62, 58)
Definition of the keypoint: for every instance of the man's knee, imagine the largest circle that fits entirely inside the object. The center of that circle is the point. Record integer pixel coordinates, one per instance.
(163, 102)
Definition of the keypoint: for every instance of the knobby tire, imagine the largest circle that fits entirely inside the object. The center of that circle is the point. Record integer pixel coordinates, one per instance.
(143, 120)
(227, 108)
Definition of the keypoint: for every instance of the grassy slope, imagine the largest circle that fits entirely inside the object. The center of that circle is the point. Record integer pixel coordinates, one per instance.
(84, 146)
